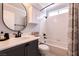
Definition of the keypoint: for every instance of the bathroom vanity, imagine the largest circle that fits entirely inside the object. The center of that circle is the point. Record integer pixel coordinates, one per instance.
(16, 14)
(23, 46)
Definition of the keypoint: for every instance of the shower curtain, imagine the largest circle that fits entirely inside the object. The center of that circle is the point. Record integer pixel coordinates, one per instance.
(74, 29)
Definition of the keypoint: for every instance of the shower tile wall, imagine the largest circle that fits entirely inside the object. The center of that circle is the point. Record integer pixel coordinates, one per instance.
(57, 30)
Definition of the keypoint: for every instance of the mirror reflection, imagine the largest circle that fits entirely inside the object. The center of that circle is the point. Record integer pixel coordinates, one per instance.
(14, 16)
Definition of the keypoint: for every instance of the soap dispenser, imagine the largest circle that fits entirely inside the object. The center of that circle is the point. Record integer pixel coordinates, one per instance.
(2, 36)
(6, 35)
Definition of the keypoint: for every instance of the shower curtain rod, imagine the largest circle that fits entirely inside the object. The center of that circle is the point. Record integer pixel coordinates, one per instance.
(46, 6)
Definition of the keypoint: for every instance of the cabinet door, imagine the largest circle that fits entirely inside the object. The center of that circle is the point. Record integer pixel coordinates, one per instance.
(35, 15)
(14, 51)
(31, 48)
(3, 53)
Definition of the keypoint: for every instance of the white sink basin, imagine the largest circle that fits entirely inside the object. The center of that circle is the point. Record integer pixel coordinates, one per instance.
(24, 37)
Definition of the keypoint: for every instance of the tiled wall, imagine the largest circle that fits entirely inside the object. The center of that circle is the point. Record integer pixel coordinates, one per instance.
(57, 30)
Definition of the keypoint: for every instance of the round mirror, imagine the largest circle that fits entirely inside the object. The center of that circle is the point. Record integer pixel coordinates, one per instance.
(14, 16)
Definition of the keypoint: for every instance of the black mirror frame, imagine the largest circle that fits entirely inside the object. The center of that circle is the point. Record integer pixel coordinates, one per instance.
(6, 25)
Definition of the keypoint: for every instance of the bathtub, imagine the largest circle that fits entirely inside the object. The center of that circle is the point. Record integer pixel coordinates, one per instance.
(57, 51)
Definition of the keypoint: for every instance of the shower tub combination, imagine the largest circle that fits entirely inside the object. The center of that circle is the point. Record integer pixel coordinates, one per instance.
(47, 49)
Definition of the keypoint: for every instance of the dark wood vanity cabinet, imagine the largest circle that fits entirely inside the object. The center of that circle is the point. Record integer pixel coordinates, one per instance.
(13, 51)
(28, 49)
(31, 48)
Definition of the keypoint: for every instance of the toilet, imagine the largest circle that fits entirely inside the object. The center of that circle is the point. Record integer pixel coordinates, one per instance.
(44, 49)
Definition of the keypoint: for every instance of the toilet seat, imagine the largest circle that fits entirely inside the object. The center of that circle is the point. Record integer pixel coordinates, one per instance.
(43, 47)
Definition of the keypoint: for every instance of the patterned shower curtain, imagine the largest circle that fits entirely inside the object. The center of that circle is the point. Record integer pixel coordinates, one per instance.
(73, 29)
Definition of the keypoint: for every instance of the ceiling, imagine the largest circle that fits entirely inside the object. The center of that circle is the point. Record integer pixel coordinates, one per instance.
(53, 6)
(19, 5)
(44, 4)
(40, 5)
(36, 5)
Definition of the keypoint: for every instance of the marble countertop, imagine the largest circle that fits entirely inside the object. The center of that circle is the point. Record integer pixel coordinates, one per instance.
(16, 41)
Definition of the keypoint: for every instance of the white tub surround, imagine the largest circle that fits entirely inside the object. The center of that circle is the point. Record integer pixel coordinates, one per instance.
(15, 42)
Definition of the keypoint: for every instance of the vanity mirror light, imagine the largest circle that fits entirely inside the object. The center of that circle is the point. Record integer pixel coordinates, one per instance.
(14, 16)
